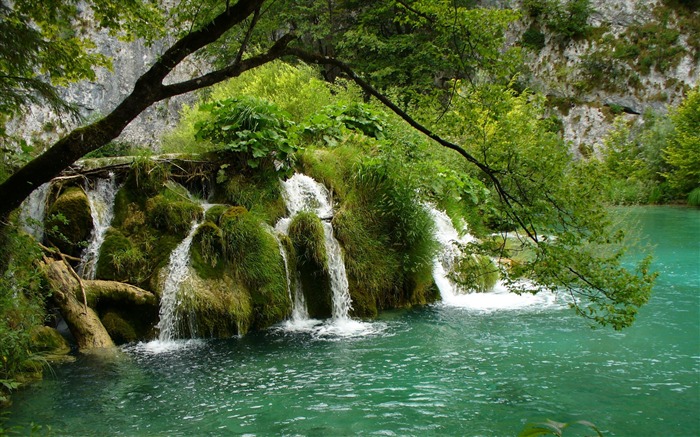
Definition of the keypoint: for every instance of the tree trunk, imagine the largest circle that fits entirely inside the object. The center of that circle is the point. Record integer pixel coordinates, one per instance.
(82, 321)
(148, 89)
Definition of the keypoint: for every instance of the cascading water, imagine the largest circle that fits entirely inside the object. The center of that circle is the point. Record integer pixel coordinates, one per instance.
(101, 199)
(303, 193)
(33, 212)
(177, 273)
(452, 294)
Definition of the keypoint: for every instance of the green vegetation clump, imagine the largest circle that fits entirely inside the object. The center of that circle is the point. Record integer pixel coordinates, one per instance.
(207, 251)
(172, 217)
(69, 222)
(657, 161)
(682, 153)
(250, 130)
(567, 19)
(22, 304)
(253, 254)
(533, 39)
(260, 193)
(476, 272)
(308, 239)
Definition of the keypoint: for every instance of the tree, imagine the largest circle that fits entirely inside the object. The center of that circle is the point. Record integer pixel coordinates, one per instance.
(429, 54)
(683, 150)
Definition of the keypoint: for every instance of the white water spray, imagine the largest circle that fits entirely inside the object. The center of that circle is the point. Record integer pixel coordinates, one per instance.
(101, 200)
(177, 273)
(303, 193)
(500, 298)
(33, 212)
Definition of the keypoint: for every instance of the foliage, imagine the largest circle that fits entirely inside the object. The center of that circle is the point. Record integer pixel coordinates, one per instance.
(253, 130)
(44, 46)
(568, 19)
(253, 252)
(683, 151)
(553, 201)
(533, 39)
(22, 296)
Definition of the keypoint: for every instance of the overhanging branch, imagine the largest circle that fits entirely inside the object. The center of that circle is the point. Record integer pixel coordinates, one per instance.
(505, 196)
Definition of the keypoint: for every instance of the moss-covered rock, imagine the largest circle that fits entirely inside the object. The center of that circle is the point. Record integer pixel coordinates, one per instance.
(69, 222)
(253, 254)
(45, 339)
(119, 329)
(215, 308)
(207, 251)
(307, 236)
(109, 266)
(172, 216)
(260, 193)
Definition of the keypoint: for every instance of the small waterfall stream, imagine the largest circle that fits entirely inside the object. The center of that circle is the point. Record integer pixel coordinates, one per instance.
(452, 294)
(303, 193)
(33, 212)
(101, 199)
(177, 273)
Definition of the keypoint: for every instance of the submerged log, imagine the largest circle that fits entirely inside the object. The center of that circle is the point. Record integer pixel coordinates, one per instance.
(82, 320)
(117, 292)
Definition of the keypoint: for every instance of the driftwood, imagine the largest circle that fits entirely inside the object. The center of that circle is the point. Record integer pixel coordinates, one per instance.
(117, 291)
(82, 320)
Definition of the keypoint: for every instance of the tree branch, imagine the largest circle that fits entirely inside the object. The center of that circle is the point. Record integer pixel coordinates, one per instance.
(233, 70)
(505, 196)
(148, 89)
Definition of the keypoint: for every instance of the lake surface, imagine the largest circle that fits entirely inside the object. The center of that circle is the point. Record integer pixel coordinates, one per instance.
(485, 367)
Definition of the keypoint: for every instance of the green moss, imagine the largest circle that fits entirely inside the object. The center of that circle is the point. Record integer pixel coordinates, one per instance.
(214, 213)
(69, 222)
(172, 216)
(217, 308)
(307, 237)
(119, 329)
(49, 340)
(253, 254)
(476, 272)
(114, 244)
(260, 193)
(208, 251)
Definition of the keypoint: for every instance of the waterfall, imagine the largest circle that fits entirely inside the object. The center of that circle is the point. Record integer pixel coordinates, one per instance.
(449, 254)
(498, 299)
(283, 254)
(177, 272)
(101, 200)
(33, 212)
(342, 303)
(303, 193)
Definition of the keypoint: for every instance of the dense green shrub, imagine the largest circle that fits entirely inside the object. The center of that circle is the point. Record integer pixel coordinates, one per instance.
(252, 130)
(533, 39)
(22, 296)
(682, 153)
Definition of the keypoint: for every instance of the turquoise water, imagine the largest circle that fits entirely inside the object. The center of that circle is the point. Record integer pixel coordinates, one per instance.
(481, 369)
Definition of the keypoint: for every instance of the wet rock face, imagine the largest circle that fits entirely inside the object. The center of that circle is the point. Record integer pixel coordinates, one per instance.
(96, 99)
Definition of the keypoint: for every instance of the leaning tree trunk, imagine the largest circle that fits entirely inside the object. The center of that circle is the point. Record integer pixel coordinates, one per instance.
(82, 320)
